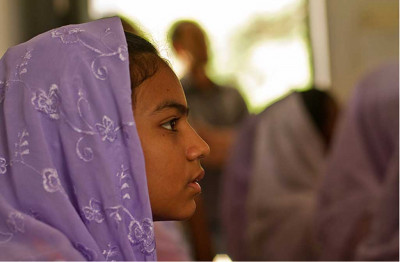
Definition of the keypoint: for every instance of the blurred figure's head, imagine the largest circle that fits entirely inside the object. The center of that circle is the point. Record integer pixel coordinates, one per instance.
(189, 42)
(323, 110)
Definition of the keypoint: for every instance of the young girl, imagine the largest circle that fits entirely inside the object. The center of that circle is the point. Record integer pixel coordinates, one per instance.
(94, 145)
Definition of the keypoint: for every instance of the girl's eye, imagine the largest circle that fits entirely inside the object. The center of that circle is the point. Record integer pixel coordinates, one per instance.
(171, 125)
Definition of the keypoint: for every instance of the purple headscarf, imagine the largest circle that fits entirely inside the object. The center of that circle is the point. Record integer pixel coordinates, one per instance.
(72, 174)
(362, 178)
(270, 183)
(287, 165)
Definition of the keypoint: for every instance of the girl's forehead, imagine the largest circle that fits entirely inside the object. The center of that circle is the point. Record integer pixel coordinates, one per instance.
(161, 87)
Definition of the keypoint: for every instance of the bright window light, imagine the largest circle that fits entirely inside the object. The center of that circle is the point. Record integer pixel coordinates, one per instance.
(274, 63)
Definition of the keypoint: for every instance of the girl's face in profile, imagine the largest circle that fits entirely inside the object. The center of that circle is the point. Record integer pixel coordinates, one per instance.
(172, 149)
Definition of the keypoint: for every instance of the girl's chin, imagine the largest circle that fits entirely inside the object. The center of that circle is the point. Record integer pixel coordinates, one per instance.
(181, 215)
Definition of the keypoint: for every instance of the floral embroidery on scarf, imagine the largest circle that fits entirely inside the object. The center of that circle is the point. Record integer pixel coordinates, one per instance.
(67, 35)
(94, 212)
(70, 35)
(47, 103)
(123, 177)
(21, 69)
(142, 235)
(106, 129)
(21, 147)
(79, 105)
(123, 52)
(111, 252)
(51, 181)
(3, 166)
(86, 154)
(15, 222)
(89, 254)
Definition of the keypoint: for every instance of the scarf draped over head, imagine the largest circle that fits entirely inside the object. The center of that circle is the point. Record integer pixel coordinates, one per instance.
(270, 182)
(72, 174)
(358, 207)
(287, 163)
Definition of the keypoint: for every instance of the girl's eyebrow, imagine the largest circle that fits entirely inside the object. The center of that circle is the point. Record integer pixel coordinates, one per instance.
(170, 104)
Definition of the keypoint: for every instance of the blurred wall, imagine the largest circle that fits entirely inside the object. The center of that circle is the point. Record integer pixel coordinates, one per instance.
(10, 29)
(318, 29)
(362, 35)
(42, 15)
(20, 20)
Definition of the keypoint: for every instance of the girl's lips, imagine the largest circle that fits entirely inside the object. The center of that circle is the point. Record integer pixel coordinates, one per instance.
(194, 183)
(196, 186)
(199, 176)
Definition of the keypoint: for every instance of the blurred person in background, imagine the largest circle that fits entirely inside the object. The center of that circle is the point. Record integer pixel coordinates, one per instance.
(358, 210)
(272, 177)
(215, 112)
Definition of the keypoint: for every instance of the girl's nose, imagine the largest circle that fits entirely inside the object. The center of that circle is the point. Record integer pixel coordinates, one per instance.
(197, 148)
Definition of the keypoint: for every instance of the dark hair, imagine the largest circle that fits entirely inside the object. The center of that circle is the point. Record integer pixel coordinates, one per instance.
(321, 106)
(144, 60)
